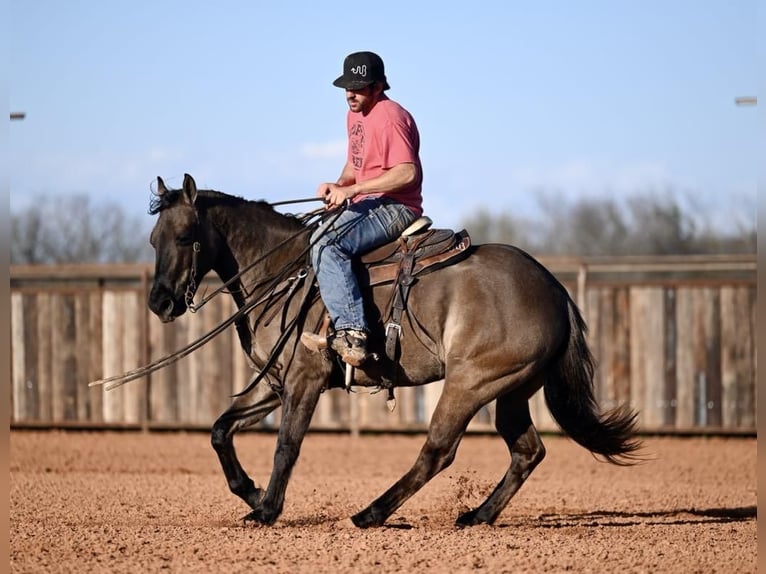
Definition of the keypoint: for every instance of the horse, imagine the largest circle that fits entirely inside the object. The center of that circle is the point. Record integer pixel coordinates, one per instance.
(495, 326)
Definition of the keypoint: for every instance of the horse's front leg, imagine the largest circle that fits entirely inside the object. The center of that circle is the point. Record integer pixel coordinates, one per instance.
(298, 404)
(244, 412)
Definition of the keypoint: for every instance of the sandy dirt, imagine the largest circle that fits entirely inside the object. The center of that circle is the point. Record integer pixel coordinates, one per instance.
(158, 502)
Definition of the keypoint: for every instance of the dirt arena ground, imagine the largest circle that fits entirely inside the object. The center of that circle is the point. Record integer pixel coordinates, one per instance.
(157, 502)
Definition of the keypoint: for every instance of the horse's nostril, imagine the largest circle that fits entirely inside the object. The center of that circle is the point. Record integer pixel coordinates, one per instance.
(166, 310)
(162, 304)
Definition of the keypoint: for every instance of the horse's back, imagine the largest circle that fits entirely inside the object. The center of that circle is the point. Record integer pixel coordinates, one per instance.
(498, 301)
(494, 272)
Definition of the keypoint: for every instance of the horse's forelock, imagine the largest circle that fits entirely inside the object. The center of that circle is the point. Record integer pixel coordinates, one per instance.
(158, 202)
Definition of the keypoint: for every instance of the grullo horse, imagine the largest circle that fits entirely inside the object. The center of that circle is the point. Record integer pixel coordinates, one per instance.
(495, 326)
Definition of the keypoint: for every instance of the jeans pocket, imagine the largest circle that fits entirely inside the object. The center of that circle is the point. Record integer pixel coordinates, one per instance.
(393, 217)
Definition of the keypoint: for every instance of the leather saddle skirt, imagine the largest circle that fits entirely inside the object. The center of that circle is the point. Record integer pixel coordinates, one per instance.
(424, 249)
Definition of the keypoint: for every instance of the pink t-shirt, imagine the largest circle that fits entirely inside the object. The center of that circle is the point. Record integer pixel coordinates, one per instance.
(385, 137)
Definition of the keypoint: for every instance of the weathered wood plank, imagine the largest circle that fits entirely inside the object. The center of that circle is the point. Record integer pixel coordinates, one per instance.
(737, 357)
(242, 369)
(698, 365)
(19, 403)
(182, 370)
(709, 351)
(670, 400)
(134, 396)
(44, 391)
(647, 354)
(541, 416)
(212, 365)
(609, 336)
(431, 395)
(58, 343)
(112, 336)
(598, 318)
(686, 370)
(63, 357)
(82, 346)
(621, 359)
(96, 355)
(162, 387)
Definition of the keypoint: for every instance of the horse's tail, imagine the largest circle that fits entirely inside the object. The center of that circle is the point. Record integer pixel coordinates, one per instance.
(569, 395)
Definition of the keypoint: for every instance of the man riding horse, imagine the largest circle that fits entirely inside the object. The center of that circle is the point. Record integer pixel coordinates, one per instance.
(381, 180)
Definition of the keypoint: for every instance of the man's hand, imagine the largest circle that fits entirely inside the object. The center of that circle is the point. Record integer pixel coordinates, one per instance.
(334, 194)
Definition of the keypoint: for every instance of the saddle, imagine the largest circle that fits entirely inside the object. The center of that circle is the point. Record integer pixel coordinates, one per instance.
(417, 251)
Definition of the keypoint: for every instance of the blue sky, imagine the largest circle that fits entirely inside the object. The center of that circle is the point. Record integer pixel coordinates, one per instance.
(514, 100)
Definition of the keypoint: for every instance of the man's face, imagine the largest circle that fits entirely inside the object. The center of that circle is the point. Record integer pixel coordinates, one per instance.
(364, 99)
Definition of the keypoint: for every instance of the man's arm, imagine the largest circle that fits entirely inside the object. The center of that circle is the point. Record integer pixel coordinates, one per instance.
(390, 181)
(347, 176)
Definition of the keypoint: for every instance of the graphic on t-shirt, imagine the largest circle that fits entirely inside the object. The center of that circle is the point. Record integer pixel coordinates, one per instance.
(356, 143)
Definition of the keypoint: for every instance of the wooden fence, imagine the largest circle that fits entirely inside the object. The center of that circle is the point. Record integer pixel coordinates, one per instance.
(673, 337)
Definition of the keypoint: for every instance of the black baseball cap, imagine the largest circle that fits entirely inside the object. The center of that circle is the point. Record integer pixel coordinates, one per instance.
(361, 69)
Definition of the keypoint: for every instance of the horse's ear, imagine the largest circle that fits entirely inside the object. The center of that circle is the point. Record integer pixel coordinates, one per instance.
(190, 189)
(161, 189)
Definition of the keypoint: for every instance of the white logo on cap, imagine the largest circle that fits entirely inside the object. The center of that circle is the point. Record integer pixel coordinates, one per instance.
(361, 70)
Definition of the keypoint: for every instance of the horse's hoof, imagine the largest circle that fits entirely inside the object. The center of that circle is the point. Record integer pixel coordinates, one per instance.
(367, 519)
(260, 517)
(469, 518)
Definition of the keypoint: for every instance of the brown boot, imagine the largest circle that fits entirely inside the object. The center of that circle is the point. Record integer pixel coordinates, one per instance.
(351, 345)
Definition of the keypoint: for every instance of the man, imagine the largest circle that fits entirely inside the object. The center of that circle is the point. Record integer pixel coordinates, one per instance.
(382, 182)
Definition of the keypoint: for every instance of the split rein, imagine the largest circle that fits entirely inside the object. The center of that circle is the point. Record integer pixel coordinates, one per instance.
(273, 288)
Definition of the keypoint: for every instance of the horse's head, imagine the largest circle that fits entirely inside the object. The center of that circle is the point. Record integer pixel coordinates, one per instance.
(184, 249)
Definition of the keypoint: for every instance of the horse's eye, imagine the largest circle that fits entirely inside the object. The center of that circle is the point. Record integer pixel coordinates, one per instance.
(185, 239)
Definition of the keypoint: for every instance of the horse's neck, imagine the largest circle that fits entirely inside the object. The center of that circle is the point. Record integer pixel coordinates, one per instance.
(258, 243)
(246, 261)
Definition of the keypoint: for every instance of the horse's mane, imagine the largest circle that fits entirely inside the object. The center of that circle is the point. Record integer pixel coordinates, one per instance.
(158, 202)
(205, 198)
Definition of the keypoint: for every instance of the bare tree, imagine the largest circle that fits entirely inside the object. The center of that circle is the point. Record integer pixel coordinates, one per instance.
(659, 227)
(72, 229)
(645, 224)
(587, 227)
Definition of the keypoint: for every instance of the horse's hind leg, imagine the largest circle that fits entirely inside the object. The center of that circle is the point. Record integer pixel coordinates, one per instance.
(514, 424)
(244, 412)
(448, 423)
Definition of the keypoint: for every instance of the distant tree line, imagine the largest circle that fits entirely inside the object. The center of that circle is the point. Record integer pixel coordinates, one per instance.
(641, 225)
(73, 229)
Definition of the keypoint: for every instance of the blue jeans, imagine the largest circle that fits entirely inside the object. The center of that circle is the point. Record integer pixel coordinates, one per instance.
(360, 228)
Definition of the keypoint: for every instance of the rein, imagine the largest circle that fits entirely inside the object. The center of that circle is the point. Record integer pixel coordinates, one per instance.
(275, 286)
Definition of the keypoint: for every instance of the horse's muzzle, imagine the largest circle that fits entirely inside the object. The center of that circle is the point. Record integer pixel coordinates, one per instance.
(163, 304)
